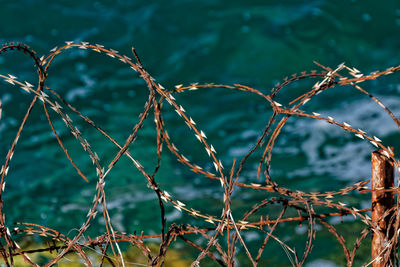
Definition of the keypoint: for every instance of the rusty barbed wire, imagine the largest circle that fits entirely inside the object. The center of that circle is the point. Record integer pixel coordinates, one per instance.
(224, 234)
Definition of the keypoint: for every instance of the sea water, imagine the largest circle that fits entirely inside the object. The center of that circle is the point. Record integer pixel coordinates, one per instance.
(256, 43)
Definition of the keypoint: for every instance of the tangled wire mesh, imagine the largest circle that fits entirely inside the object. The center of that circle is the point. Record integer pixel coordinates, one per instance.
(224, 234)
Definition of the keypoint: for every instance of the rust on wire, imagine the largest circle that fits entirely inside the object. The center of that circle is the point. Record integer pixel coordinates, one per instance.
(218, 237)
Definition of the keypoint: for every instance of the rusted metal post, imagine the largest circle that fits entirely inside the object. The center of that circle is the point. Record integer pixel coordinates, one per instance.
(382, 178)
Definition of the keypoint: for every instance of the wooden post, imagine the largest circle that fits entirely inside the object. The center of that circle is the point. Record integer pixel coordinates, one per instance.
(382, 178)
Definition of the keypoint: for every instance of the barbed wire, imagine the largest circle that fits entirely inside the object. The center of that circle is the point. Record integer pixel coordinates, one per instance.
(225, 232)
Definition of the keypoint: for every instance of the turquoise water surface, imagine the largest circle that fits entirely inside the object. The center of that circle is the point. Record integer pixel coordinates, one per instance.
(256, 43)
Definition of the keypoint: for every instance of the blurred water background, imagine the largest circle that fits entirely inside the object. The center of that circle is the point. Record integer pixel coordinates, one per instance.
(256, 43)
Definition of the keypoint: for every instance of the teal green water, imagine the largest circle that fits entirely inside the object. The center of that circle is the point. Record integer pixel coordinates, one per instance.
(256, 43)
